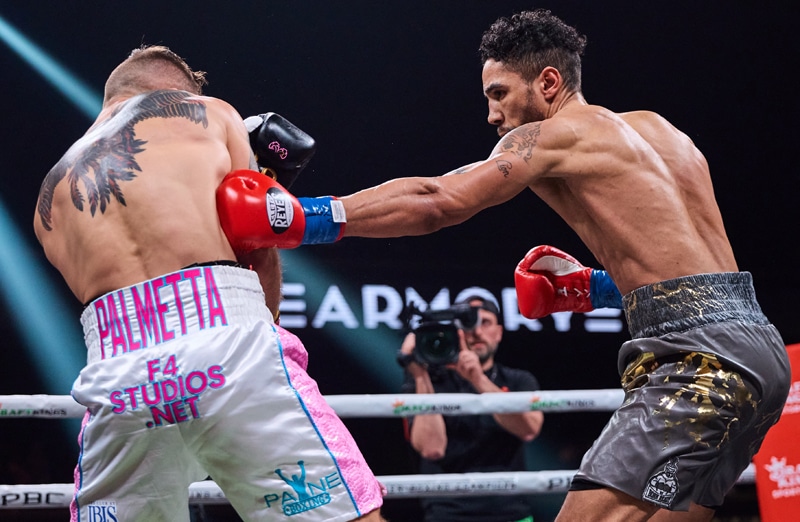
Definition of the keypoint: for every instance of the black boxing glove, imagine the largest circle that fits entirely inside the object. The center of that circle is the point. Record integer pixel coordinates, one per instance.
(282, 150)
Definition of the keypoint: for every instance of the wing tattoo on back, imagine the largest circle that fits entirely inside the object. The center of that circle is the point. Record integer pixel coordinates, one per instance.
(111, 158)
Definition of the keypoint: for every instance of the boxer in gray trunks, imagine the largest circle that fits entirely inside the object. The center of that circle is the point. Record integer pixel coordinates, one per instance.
(705, 376)
(704, 370)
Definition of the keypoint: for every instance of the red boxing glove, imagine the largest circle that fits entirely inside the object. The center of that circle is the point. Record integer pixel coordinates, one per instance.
(549, 280)
(255, 212)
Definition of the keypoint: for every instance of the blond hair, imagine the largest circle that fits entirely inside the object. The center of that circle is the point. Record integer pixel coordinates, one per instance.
(151, 68)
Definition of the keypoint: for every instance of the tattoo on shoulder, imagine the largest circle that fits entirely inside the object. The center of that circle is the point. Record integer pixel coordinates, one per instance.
(522, 140)
(112, 157)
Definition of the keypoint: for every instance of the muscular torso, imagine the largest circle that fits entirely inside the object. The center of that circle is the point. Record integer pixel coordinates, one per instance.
(134, 197)
(636, 190)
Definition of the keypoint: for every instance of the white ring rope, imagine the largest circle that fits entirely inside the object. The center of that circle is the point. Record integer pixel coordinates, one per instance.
(398, 486)
(385, 405)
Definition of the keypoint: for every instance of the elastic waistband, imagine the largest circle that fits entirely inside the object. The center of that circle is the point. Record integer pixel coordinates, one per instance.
(680, 304)
(169, 307)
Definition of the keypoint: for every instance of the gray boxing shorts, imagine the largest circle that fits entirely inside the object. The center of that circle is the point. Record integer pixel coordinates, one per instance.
(705, 376)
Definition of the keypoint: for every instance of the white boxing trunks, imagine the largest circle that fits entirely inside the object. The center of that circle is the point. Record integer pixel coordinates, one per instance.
(188, 376)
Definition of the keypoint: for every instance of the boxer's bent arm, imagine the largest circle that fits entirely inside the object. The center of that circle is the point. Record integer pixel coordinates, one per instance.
(428, 433)
(525, 426)
(266, 263)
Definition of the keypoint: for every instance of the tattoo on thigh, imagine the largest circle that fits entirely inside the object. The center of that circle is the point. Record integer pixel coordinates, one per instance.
(111, 157)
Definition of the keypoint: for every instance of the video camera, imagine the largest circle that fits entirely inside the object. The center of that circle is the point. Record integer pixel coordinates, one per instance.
(437, 333)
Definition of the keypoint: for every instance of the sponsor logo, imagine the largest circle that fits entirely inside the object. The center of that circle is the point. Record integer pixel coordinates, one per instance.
(785, 476)
(403, 409)
(275, 147)
(33, 498)
(477, 486)
(170, 396)
(793, 401)
(304, 495)
(383, 305)
(155, 312)
(280, 212)
(102, 511)
(29, 412)
(663, 485)
(538, 404)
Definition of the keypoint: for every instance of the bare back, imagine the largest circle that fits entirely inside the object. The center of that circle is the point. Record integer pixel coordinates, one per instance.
(638, 193)
(134, 197)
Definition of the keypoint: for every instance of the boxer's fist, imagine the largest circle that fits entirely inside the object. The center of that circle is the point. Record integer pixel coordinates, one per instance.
(549, 280)
(282, 150)
(257, 212)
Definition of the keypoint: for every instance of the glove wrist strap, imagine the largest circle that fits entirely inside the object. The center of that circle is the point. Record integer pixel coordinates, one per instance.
(603, 291)
(325, 220)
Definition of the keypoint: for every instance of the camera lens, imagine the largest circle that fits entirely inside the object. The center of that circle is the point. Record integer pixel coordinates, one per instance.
(437, 344)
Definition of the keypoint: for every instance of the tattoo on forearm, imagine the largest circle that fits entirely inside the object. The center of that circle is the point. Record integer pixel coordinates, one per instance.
(521, 141)
(112, 156)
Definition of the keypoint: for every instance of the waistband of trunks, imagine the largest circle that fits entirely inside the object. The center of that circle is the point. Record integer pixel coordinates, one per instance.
(680, 304)
(169, 307)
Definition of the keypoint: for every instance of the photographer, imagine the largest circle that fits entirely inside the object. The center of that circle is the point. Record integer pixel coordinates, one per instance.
(471, 443)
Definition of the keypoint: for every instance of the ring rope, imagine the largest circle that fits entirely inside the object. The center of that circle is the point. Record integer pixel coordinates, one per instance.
(379, 405)
(398, 486)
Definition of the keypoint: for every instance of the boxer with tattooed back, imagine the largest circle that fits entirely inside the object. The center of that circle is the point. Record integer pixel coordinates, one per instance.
(187, 372)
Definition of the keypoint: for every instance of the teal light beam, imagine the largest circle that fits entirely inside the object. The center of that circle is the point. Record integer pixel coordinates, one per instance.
(372, 350)
(53, 338)
(77, 92)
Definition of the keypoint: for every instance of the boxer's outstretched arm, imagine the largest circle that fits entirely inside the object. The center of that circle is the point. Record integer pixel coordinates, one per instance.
(414, 206)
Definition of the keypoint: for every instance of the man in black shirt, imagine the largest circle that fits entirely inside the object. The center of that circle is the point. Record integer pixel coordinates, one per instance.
(472, 443)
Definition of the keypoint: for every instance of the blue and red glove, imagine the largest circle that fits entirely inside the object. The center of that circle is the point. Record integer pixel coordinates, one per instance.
(255, 212)
(549, 280)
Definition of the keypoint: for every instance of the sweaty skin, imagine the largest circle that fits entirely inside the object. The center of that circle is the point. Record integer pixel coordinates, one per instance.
(633, 187)
(134, 197)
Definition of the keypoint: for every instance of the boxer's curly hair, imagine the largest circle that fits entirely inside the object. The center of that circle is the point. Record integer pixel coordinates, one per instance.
(529, 41)
(151, 68)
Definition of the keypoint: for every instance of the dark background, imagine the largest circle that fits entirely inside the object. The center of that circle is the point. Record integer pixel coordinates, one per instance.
(391, 89)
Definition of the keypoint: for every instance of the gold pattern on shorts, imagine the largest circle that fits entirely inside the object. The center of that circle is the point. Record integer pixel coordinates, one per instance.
(631, 302)
(685, 297)
(636, 373)
(713, 395)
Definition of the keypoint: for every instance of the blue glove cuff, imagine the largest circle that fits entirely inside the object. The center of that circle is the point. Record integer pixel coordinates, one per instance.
(603, 292)
(324, 220)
